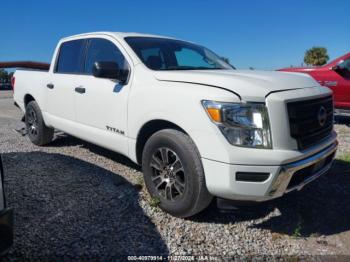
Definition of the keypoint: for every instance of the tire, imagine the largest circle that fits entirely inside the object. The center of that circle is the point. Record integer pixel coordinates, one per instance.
(174, 174)
(38, 133)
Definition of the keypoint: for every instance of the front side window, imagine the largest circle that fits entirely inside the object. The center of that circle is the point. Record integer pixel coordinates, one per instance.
(345, 64)
(102, 50)
(169, 54)
(343, 68)
(71, 56)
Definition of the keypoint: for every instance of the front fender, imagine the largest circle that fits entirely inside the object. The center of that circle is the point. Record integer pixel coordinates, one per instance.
(179, 104)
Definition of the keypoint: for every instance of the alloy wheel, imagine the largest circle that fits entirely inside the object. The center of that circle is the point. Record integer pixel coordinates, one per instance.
(32, 121)
(168, 174)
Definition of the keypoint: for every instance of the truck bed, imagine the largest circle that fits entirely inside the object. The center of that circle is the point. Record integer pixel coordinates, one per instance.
(30, 78)
(30, 82)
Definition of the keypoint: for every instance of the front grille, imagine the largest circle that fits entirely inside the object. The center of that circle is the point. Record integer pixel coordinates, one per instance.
(304, 121)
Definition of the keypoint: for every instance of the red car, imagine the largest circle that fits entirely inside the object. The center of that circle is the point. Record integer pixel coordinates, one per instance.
(336, 76)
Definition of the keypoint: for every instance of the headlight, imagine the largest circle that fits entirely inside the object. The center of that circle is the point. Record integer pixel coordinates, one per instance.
(243, 124)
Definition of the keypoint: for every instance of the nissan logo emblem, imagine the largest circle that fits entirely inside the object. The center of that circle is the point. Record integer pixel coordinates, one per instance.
(322, 116)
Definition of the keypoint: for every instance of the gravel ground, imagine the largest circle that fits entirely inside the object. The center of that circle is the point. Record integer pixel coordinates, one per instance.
(73, 199)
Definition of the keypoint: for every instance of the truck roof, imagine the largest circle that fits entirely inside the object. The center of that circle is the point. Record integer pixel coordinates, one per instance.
(46, 66)
(116, 34)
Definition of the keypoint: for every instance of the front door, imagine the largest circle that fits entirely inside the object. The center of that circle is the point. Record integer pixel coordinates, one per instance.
(101, 106)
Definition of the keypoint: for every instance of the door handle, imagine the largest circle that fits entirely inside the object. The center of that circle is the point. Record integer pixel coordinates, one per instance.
(51, 86)
(80, 90)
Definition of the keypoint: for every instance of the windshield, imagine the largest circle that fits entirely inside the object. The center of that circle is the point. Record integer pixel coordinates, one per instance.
(169, 54)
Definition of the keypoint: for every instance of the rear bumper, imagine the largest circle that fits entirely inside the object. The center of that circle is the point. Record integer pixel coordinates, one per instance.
(6, 230)
(221, 178)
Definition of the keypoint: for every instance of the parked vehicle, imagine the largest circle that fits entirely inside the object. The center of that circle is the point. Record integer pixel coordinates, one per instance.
(336, 76)
(6, 218)
(5, 86)
(198, 127)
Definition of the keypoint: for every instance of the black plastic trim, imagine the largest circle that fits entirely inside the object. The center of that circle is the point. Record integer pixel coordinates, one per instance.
(252, 177)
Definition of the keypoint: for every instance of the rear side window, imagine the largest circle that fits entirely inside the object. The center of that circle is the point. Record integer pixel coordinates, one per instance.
(71, 56)
(102, 50)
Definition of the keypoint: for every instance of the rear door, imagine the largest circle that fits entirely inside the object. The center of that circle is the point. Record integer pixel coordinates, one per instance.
(63, 81)
(102, 106)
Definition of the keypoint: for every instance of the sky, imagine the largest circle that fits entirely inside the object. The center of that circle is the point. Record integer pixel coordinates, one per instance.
(263, 34)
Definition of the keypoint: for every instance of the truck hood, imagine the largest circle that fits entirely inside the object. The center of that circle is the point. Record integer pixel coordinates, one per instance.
(249, 85)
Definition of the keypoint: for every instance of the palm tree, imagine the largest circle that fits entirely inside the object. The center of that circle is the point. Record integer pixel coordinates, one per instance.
(316, 56)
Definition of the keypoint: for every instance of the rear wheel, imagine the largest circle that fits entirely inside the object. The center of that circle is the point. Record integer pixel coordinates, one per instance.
(38, 133)
(174, 174)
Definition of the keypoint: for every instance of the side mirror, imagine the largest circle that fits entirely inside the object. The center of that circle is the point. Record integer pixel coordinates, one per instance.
(109, 70)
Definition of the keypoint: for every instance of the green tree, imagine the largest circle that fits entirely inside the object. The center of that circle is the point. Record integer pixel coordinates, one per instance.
(316, 56)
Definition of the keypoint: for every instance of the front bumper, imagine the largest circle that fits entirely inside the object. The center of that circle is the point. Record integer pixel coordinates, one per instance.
(6, 230)
(221, 177)
(342, 112)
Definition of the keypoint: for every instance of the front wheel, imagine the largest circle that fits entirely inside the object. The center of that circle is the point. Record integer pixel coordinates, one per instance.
(174, 174)
(38, 133)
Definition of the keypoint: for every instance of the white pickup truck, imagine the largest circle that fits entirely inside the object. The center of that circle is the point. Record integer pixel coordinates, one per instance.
(199, 127)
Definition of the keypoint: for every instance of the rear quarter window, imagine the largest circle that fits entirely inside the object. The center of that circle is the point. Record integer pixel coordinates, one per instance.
(71, 56)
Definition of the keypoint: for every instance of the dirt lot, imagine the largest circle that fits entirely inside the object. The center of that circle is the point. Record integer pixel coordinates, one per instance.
(74, 199)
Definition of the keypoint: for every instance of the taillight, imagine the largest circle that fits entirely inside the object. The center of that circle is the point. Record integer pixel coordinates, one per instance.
(13, 80)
